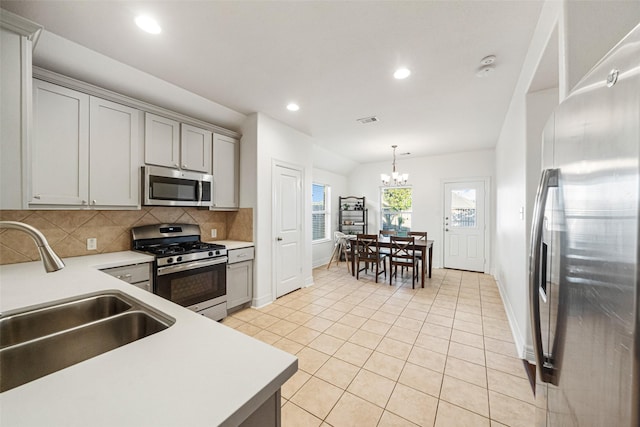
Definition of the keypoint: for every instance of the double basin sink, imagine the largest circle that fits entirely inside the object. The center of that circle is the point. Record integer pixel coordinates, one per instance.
(44, 339)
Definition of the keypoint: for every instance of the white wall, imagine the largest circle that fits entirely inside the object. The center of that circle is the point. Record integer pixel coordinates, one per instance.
(585, 32)
(321, 251)
(426, 175)
(274, 141)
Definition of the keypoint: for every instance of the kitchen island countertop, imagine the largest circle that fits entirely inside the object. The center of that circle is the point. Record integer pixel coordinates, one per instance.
(196, 372)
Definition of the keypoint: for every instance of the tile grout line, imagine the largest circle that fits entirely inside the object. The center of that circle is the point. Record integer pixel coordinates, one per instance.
(404, 304)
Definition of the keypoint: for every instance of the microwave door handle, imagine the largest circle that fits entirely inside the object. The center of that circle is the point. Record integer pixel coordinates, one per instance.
(545, 366)
(199, 192)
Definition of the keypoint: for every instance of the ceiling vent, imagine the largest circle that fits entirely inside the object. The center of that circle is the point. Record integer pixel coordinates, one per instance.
(366, 120)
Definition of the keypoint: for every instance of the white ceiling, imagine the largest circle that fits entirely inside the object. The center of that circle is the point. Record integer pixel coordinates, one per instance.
(334, 58)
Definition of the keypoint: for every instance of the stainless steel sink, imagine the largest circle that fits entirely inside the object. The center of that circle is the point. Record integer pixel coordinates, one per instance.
(36, 323)
(43, 340)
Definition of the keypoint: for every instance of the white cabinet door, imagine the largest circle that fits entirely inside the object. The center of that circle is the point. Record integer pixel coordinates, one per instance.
(59, 151)
(113, 165)
(239, 283)
(226, 161)
(195, 149)
(161, 141)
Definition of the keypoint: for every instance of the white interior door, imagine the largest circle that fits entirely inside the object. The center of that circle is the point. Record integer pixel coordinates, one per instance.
(464, 225)
(288, 229)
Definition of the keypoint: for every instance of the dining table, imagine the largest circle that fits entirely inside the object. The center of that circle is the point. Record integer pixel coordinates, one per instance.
(425, 247)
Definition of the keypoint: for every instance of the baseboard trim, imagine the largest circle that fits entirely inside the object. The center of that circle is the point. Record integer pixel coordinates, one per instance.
(261, 302)
(518, 336)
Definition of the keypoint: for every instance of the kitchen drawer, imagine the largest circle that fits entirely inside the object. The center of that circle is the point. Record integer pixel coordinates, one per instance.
(239, 255)
(131, 273)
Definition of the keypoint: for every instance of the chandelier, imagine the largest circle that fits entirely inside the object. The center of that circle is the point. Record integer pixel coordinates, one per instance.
(396, 178)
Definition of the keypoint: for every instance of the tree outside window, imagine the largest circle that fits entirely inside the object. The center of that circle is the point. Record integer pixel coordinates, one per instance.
(320, 214)
(396, 209)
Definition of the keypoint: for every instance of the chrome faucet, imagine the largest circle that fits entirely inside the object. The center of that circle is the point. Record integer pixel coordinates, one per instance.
(50, 260)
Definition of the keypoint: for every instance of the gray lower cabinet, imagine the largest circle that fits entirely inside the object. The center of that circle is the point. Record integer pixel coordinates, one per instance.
(267, 415)
(239, 277)
(138, 275)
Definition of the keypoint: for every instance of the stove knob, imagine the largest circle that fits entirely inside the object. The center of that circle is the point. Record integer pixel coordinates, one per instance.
(169, 261)
(179, 259)
(210, 253)
(217, 252)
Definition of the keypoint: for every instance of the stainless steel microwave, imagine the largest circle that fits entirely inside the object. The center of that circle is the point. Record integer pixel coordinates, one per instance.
(173, 187)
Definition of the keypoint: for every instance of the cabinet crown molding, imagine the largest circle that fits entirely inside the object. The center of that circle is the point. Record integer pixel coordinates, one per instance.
(20, 25)
(89, 89)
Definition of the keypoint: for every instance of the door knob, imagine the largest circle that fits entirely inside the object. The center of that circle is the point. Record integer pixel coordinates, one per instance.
(279, 239)
(446, 229)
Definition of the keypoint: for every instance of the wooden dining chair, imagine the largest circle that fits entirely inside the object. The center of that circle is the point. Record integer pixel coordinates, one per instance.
(387, 233)
(419, 235)
(403, 256)
(368, 252)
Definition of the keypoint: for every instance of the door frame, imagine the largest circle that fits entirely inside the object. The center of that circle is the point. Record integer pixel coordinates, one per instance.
(488, 219)
(274, 223)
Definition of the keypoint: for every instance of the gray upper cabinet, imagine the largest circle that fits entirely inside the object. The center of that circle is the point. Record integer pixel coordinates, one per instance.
(83, 152)
(226, 176)
(177, 145)
(113, 158)
(161, 141)
(195, 149)
(59, 147)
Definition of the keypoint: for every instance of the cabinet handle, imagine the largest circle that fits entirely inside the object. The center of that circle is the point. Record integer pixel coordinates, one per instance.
(93, 202)
(84, 202)
(279, 239)
(177, 166)
(184, 166)
(37, 196)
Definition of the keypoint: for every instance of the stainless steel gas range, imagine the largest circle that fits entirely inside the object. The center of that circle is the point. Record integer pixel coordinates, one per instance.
(186, 270)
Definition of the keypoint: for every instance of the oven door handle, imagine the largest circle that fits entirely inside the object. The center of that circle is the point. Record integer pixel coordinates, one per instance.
(190, 266)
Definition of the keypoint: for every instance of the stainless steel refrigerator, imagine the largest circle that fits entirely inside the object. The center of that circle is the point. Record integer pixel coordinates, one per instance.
(583, 273)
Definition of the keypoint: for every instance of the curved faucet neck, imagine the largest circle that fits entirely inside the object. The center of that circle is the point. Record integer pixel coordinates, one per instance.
(50, 259)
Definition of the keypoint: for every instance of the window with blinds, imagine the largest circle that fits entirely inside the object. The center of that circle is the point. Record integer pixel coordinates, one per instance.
(320, 219)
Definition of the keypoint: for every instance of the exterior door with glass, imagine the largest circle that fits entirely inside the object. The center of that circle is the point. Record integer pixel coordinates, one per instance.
(464, 225)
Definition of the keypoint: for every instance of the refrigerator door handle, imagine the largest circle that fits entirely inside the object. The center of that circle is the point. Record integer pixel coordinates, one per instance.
(545, 366)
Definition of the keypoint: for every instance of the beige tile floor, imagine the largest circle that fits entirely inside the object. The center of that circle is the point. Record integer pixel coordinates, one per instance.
(378, 355)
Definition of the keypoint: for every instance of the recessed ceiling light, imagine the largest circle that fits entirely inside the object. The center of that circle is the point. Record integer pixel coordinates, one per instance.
(402, 73)
(148, 24)
(293, 106)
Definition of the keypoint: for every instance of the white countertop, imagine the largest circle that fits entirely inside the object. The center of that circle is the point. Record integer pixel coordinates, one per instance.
(233, 244)
(195, 372)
